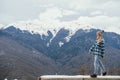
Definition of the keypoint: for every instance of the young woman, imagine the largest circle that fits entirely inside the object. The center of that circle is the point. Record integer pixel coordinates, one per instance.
(98, 50)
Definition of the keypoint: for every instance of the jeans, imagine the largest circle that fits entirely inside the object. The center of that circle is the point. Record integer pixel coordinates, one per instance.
(97, 64)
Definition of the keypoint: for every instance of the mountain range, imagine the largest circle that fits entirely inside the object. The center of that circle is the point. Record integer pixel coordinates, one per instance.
(26, 55)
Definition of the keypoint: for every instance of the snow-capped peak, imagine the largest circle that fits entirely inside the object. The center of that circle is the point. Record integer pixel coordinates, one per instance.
(43, 27)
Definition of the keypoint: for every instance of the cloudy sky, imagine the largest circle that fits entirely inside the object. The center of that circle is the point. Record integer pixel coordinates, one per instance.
(103, 13)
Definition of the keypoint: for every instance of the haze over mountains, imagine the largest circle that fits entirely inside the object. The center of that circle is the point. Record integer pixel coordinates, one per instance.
(26, 54)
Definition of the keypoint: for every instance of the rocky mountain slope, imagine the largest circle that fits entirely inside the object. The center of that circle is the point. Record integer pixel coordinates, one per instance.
(23, 63)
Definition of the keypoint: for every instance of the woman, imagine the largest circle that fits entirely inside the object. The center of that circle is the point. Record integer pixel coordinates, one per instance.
(98, 50)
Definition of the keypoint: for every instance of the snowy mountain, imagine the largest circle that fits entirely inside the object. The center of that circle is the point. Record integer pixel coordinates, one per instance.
(41, 27)
(66, 48)
(51, 44)
(45, 29)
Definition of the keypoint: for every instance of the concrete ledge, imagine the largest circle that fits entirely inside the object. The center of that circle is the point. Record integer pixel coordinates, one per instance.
(77, 77)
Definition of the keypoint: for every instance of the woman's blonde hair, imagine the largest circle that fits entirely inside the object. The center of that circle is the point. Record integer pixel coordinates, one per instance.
(99, 36)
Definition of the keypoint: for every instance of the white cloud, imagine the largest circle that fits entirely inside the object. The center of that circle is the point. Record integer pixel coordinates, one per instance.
(103, 22)
(68, 12)
(16, 10)
(105, 13)
(48, 20)
(54, 13)
(98, 12)
(80, 4)
(1, 26)
(50, 14)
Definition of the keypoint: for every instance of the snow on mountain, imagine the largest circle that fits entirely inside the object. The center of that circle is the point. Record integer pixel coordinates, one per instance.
(47, 44)
(61, 43)
(43, 27)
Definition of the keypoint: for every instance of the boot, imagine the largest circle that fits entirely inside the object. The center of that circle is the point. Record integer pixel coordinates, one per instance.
(104, 73)
(93, 75)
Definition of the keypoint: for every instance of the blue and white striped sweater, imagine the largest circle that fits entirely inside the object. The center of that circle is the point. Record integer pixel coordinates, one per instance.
(98, 48)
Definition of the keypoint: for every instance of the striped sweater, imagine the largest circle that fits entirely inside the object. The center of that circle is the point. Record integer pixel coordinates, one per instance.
(97, 48)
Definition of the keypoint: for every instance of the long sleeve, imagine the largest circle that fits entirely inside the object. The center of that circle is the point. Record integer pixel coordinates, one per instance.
(91, 50)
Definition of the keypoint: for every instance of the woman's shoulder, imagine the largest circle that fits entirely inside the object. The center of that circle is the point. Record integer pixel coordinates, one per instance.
(102, 41)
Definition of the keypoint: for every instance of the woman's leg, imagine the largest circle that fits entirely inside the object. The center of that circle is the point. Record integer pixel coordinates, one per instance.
(101, 65)
(96, 64)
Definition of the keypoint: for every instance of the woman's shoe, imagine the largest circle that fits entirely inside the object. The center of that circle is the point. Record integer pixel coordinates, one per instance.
(93, 75)
(104, 73)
